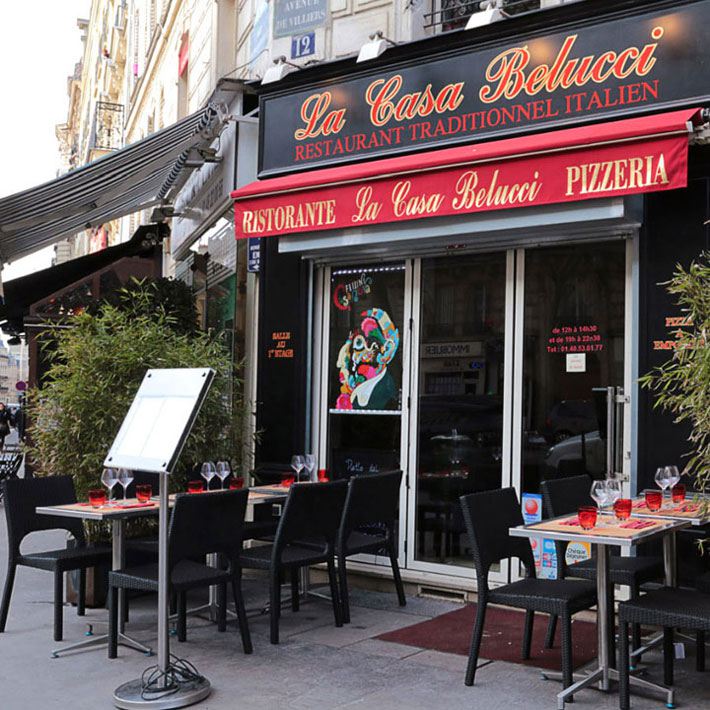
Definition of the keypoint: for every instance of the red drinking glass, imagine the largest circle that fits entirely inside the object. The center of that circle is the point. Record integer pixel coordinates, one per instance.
(195, 487)
(236, 483)
(323, 475)
(97, 497)
(287, 481)
(587, 515)
(654, 499)
(144, 492)
(622, 508)
(678, 493)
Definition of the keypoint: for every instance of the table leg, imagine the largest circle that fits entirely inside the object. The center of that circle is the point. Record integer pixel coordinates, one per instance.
(603, 614)
(669, 559)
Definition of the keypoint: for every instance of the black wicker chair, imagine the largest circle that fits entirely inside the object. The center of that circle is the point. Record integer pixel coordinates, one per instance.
(369, 525)
(312, 512)
(22, 496)
(669, 608)
(200, 525)
(10, 462)
(488, 516)
(565, 495)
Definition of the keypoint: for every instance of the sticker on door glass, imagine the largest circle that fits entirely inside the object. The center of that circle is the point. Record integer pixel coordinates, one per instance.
(363, 363)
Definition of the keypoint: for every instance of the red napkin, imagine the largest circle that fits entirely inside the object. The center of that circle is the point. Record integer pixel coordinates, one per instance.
(637, 524)
(137, 505)
(571, 521)
(638, 504)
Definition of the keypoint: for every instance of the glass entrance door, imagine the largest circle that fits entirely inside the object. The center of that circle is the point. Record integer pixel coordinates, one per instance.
(572, 350)
(460, 397)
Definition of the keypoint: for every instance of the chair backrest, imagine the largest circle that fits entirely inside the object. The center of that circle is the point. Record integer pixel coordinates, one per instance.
(206, 523)
(312, 511)
(23, 495)
(564, 495)
(372, 499)
(488, 516)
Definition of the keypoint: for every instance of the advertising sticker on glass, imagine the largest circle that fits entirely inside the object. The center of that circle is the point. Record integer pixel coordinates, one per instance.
(365, 353)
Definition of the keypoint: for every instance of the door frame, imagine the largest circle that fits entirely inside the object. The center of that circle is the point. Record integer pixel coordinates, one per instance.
(496, 576)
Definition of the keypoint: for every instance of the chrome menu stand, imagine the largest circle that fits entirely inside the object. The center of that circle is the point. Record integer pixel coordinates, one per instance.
(151, 438)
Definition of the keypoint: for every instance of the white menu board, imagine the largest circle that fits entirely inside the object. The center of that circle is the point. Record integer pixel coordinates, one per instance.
(159, 419)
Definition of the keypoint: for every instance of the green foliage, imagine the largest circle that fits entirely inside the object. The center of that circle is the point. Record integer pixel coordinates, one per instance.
(682, 384)
(96, 367)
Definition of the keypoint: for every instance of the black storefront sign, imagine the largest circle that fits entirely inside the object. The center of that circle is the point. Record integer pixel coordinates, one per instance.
(641, 62)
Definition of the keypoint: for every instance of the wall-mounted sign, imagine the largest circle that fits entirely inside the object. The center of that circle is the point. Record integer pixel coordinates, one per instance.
(294, 17)
(303, 46)
(253, 255)
(637, 63)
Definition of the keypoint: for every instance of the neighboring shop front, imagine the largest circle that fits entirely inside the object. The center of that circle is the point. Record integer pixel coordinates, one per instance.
(461, 243)
(207, 258)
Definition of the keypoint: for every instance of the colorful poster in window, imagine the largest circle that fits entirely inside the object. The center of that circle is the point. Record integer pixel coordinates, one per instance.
(365, 341)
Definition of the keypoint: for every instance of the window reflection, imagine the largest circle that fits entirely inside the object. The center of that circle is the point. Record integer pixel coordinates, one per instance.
(460, 396)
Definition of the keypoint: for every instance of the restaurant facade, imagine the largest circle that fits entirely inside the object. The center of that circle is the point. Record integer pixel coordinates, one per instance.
(462, 243)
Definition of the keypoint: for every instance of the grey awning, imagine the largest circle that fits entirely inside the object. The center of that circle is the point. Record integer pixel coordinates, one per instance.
(136, 177)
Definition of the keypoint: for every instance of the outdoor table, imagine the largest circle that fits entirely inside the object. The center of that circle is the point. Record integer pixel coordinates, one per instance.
(693, 511)
(610, 534)
(117, 515)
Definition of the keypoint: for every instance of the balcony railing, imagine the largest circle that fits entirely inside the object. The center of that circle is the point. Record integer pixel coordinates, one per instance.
(108, 126)
(453, 14)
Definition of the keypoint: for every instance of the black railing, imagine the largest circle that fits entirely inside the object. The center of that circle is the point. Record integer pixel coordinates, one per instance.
(453, 14)
(108, 126)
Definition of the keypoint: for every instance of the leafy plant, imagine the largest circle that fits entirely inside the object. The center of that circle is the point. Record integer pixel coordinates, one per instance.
(96, 366)
(682, 384)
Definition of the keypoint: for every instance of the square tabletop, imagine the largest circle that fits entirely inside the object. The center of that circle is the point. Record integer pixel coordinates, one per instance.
(135, 509)
(624, 534)
(695, 510)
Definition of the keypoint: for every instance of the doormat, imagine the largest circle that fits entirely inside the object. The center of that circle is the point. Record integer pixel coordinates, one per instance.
(502, 637)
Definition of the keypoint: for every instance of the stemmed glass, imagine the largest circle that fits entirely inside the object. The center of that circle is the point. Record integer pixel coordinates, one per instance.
(223, 471)
(600, 494)
(310, 464)
(208, 472)
(125, 477)
(673, 476)
(109, 478)
(613, 491)
(297, 464)
(662, 481)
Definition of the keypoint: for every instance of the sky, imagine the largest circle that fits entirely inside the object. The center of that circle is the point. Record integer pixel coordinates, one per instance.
(40, 45)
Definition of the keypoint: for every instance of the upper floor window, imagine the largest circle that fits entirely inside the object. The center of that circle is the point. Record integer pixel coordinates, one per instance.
(449, 15)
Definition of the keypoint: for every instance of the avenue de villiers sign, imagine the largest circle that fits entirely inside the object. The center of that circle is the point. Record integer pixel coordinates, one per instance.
(630, 65)
(294, 17)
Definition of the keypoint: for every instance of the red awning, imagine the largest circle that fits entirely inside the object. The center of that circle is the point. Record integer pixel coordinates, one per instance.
(609, 159)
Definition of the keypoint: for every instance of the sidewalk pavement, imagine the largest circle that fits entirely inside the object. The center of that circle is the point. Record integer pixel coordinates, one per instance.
(315, 667)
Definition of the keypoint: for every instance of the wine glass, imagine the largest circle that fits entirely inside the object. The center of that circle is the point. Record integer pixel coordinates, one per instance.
(613, 491)
(662, 481)
(310, 464)
(109, 478)
(223, 471)
(297, 464)
(208, 472)
(600, 494)
(125, 476)
(673, 476)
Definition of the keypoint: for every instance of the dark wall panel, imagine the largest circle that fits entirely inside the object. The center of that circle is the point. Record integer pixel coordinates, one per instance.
(673, 233)
(281, 368)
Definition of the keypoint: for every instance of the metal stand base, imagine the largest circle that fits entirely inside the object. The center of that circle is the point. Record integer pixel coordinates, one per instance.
(603, 676)
(123, 640)
(130, 695)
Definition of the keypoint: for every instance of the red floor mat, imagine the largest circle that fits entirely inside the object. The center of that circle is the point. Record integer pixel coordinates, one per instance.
(502, 637)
